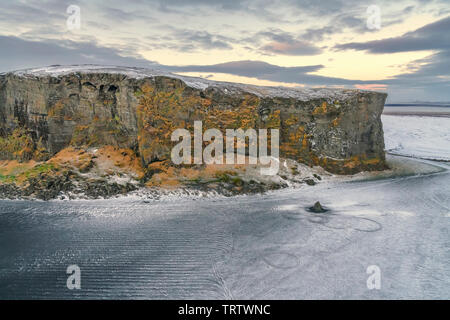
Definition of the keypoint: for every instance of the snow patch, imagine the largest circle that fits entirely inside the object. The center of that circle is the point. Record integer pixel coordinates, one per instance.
(403, 213)
(287, 207)
(304, 94)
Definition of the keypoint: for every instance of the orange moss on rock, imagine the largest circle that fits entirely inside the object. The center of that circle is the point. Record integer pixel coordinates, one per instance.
(77, 158)
(335, 122)
(167, 176)
(163, 175)
(19, 145)
(105, 160)
(322, 109)
(273, 120)
(100, 131)
(160, 112)
(58, 110)
(120, 159)
(350, 166)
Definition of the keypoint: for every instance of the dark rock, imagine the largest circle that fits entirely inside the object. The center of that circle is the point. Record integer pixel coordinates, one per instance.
(317, 208)
(310, 182)
(47, 187)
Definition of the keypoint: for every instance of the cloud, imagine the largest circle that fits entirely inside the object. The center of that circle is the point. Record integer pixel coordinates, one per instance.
(185, 40)
(374, 86)
(324, 7)
(431, 71)
(245, 68)
(291, 48)
(31, 11)
(191, 40)
(318, 34)
(126, 16)
(265, 71)
(427, 78)
(18, 53)
(34, 34)
(434, 36)
(224, 4)
(275, 41)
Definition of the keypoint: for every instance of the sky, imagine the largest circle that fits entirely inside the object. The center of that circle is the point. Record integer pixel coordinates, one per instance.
(399, 47)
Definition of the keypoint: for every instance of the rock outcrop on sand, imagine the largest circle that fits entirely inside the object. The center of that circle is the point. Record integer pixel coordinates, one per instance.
(45, 111)
(317, 208)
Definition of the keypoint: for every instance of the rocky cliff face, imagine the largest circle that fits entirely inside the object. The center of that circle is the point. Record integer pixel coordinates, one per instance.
(45, 110)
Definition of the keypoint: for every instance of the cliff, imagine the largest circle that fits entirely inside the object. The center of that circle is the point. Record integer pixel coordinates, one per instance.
(43, 111)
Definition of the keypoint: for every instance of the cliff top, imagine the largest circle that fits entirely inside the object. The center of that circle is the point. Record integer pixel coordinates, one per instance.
(303, 94)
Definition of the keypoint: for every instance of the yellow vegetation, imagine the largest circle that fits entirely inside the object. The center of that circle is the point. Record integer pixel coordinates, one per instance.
(322, 109)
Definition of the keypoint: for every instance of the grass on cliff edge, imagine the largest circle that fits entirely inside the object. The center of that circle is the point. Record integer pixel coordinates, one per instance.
(17, 172)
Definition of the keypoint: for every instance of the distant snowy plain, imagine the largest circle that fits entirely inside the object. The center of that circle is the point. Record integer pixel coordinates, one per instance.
(421, 137)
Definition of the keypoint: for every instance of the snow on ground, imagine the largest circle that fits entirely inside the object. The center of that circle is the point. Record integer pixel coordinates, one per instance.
(255, 247)
(420, 137)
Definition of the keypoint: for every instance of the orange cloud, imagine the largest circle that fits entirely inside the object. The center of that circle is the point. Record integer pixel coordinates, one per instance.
(374, 86)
